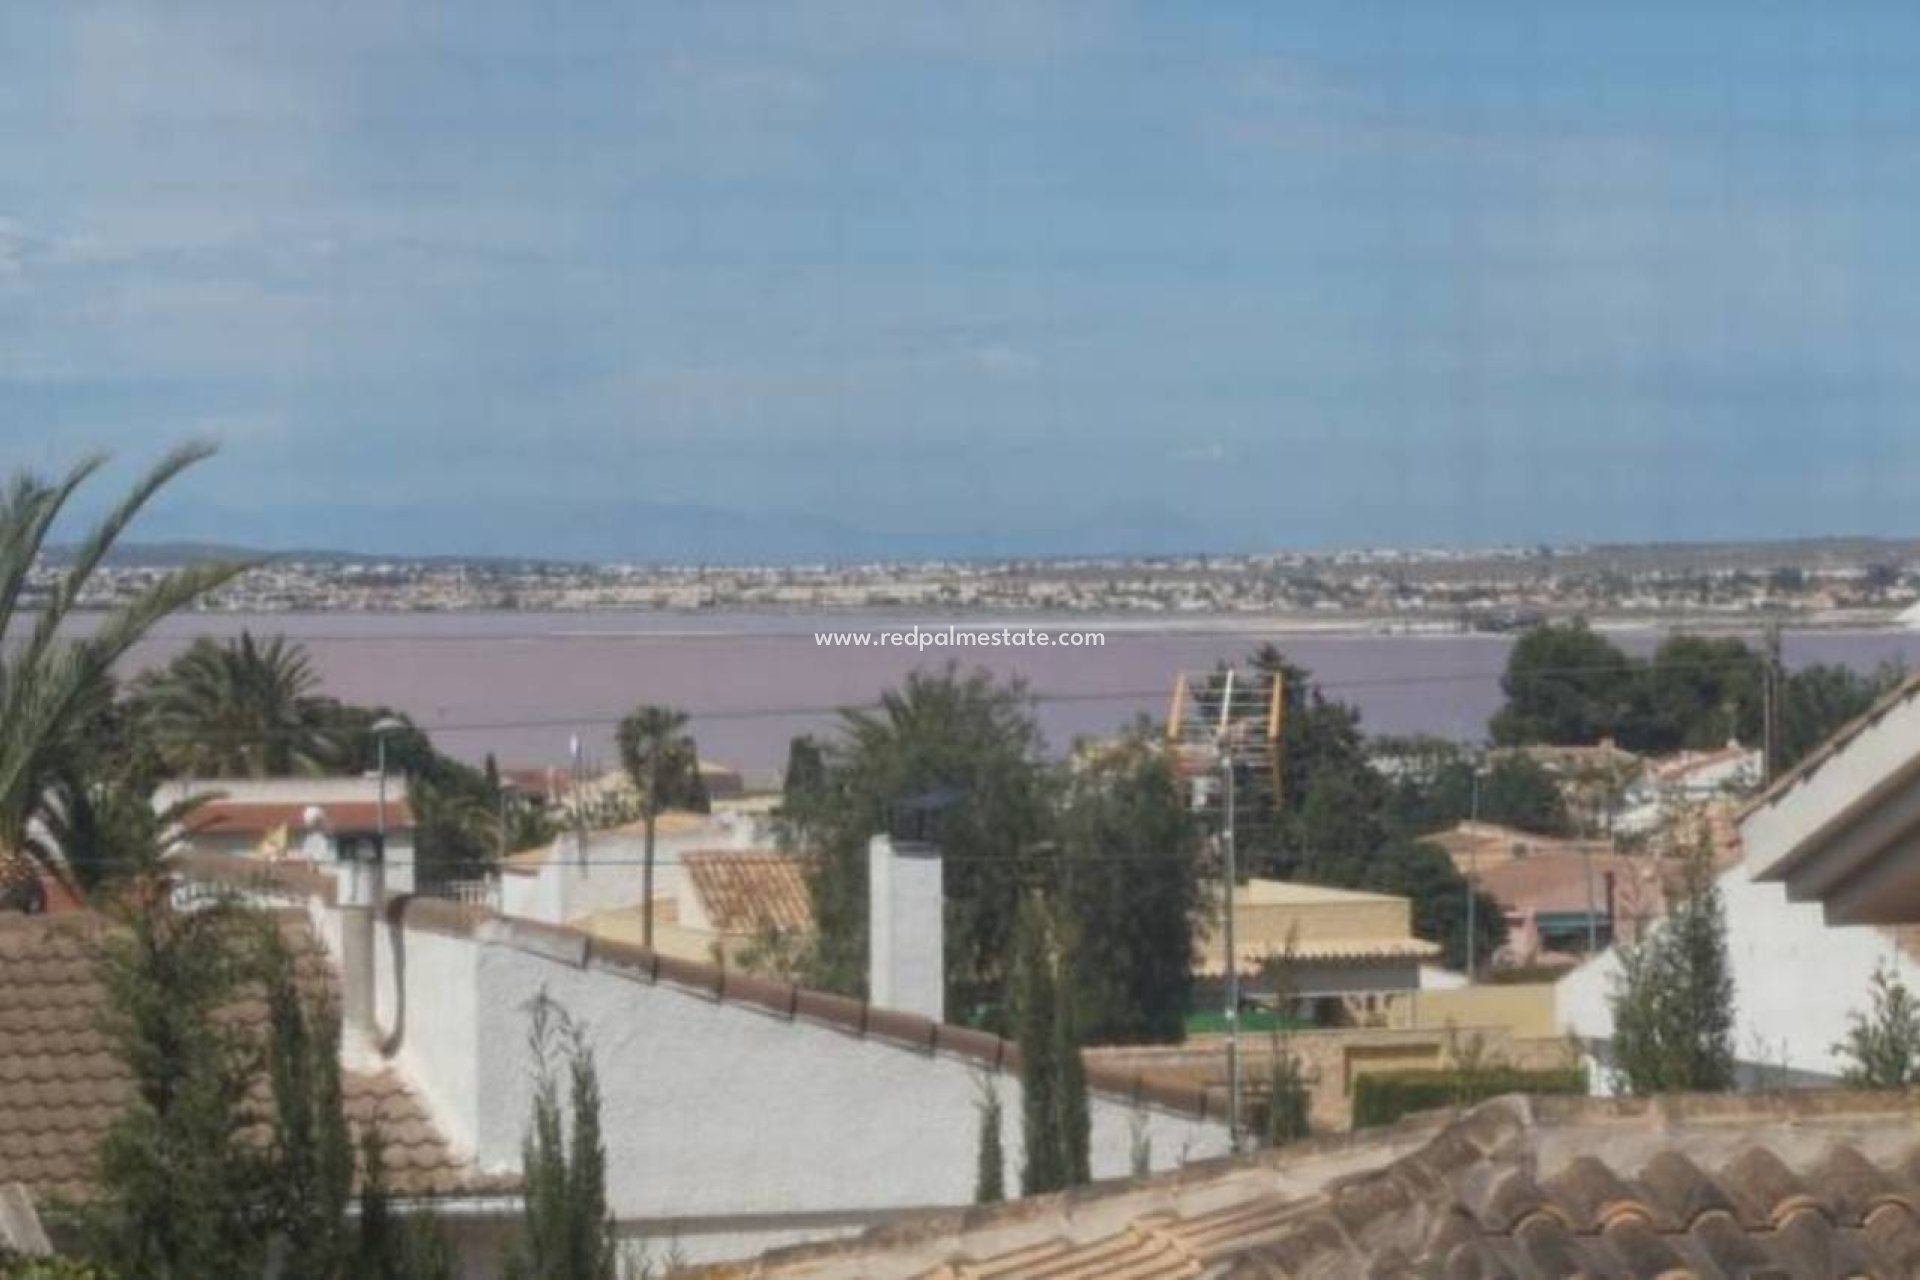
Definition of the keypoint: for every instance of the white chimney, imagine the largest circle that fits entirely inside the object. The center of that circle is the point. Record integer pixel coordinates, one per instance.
(356, 965)
(906, 936)
(361, 894)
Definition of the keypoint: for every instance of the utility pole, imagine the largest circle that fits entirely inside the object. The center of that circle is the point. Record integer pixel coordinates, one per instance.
(1473, 871)
(1586, 868)
(1770, 706)
(579, 812)
(1229, 722)
(1233, 965)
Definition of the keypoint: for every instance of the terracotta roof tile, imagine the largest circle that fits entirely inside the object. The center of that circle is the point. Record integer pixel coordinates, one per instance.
(257, 818)
(1798, 1186)
(747, 890)
(1557, 882)
(61, 1086)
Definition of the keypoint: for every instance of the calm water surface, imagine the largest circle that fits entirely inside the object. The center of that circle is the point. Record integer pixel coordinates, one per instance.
(522, 685)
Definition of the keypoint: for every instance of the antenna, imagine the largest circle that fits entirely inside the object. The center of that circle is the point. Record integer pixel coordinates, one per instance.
(1222, 725)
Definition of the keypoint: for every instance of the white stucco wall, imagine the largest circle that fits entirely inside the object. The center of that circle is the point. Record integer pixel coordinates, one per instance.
(425, 1002)
(730, 1129)
(717, 1109)
(1796, 980)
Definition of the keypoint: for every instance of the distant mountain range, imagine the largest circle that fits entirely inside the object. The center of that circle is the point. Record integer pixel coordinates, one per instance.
(588, 531)
(582, 534)
(174, 555)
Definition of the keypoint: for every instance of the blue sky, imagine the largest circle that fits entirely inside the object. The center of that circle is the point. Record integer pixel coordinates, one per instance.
(635, 280)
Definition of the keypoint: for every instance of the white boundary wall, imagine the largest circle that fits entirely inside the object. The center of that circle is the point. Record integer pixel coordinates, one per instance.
(731, 1127)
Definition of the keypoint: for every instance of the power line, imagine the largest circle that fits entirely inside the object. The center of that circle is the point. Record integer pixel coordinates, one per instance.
(1038, 698)
(866, 624)
(751, 858)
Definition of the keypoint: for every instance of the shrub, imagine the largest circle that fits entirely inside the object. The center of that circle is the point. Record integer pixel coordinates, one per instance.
(1384, 1097)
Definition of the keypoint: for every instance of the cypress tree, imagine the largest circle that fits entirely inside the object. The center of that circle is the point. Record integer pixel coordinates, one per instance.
(567, 1231)
(806, 773)
(990, 1176)
(1035, 1006)
(182, 1196)
(312, 1153)
(1673, 999)
(1286, 1099)
(593, 1251)
(1076, 1124)
(382, 1253)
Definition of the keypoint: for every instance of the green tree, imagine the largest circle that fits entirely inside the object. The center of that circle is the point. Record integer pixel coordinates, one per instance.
(1287, 1097)
(567, 1229)
(56, 692)
(1328, 803)
(1564, 684)
(183, 1195)
(311, 1152)
(1036, 1008)
(1696, 693)
(391, 1248)
(990, 1174)
(939, 730)
(1882, 1045)
(1289, 1101)
(806, 772)
(1818, 700)
(1076, 1117)
(1673, 999)
(1433, 786)
(242, 708)
(1519, 792)
(1130, 894)
(1426, 876)
(660, 759)
(1341, 823)
(236, 1137)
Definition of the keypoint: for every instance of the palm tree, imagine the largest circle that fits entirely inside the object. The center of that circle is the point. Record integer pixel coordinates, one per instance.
(659, 756)
(245, 708)
(55, 690)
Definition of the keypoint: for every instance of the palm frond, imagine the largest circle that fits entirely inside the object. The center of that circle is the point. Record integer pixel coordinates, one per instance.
(93, 549)
(27, 516)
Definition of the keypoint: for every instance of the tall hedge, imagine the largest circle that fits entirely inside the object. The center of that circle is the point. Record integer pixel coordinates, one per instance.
(1383, 1097)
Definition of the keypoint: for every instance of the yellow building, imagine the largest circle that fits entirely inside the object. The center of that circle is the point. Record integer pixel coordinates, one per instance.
(1332, 942)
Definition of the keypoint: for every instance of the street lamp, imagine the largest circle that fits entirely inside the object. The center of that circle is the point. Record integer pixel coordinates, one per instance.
(380, 729)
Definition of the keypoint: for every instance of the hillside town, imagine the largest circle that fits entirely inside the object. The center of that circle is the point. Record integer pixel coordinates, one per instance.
(1834, 583)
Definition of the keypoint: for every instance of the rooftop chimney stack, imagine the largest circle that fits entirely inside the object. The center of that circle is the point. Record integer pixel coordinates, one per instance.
(906, 938)
(361, 891)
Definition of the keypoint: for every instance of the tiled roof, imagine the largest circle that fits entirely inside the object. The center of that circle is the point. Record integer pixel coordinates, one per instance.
(1836, 742)
(1557, 882)
(1807, 1185)
(61, 1086)
(1255, 954)
(222, 817)
(746, 890)
(1485, 844)
(673, 822)
(1605, 754)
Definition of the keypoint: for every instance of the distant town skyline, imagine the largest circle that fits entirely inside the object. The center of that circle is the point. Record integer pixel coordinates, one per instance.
(891, 279)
